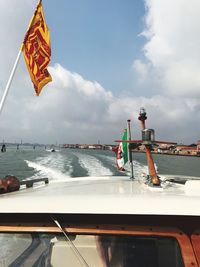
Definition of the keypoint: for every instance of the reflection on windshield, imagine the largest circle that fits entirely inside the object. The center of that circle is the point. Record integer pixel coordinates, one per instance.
(52, 250)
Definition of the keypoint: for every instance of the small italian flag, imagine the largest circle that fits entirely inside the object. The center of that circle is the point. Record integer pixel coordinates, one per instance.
(122, 152)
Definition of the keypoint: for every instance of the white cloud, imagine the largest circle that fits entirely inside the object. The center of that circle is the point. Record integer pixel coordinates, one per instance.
(142, 70)
(72, 109)
(68, 107)
(172, 48)
(14, 17)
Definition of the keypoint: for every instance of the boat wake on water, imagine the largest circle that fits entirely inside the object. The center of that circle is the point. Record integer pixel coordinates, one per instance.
(44, 171)
(73, 164)
(93, 166)
(54, 167)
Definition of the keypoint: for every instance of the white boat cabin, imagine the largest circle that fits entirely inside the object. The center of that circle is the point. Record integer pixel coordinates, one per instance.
(101, 222)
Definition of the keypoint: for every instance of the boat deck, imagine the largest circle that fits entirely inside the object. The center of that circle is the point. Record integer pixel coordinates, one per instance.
(105, 195)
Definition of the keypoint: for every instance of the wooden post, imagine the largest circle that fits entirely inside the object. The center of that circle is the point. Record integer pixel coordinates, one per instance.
(151, 166)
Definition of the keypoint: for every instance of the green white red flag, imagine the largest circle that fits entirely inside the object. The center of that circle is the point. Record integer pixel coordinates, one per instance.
(122, 152)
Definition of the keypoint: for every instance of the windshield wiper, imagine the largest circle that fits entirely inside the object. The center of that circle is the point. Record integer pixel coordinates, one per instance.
(73, 247)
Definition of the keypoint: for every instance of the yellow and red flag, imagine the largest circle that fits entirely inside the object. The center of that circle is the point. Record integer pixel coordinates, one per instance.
(37, 51)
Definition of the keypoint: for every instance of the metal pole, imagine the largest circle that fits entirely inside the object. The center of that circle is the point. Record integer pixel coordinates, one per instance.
(129, 150)
(17, 61)
(9, 81)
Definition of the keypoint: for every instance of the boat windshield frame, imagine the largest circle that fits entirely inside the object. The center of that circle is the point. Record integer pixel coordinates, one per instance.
(184, 242)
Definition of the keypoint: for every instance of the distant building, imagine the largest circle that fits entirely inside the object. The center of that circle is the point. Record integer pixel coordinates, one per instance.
(198, 147)
(95, 146)
(88, 146)
(83, 146)
(166, 148)
(186, 150)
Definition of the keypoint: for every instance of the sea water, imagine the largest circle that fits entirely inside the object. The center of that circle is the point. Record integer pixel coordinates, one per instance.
(28, 163)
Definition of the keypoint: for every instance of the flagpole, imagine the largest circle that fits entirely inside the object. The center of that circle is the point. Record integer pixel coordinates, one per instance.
(9, 81)
(15, 64)
(129, 150)
(3, 99)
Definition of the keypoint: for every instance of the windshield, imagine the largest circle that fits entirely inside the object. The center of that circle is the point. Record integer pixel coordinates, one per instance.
(53, 250)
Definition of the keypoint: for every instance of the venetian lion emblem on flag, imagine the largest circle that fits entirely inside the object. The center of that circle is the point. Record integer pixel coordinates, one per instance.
(37, 50)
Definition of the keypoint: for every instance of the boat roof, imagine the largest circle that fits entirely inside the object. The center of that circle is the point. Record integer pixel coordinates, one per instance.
(105, 195)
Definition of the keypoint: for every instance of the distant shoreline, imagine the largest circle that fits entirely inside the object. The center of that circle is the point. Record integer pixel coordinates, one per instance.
(168, 154)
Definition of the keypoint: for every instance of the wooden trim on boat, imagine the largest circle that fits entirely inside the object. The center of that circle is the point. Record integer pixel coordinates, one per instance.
(195, 239)
(183, 240)
(185, 244)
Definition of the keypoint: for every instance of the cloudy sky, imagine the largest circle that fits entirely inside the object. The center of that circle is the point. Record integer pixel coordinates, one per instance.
(109, 58)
